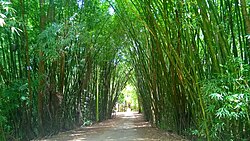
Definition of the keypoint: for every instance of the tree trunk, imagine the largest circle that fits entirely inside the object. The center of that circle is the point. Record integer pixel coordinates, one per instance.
(41, 72)
(247, 21)
(28, 68)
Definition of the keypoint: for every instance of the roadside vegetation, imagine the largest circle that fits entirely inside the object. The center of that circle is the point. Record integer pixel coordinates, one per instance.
(67, 63)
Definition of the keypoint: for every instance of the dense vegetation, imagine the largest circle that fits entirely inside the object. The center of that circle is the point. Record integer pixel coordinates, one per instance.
(64, 64)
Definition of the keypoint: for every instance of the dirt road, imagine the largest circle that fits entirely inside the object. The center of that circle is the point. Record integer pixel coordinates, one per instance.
(126, 126)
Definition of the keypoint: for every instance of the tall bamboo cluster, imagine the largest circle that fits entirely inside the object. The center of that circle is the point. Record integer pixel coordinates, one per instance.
(176, 46)
(61, 66)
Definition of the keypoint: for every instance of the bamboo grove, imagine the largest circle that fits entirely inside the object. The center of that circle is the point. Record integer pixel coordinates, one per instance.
(191, 61)
(61, 66)
(64, 63)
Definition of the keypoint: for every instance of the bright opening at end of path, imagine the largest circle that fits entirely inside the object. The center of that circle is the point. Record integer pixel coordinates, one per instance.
(128, 100)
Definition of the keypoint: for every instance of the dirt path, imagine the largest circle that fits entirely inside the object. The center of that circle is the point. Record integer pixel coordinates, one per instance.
(127, 126)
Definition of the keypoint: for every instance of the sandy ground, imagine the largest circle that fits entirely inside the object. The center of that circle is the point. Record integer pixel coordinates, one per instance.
(127, 126)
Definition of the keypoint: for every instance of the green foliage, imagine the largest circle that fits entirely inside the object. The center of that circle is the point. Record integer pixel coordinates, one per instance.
(8, 18)
(227, 101)
(16, 94)
(4, 11)
(51, 42)
(3, 118)
(13, 99)
(121, 99)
